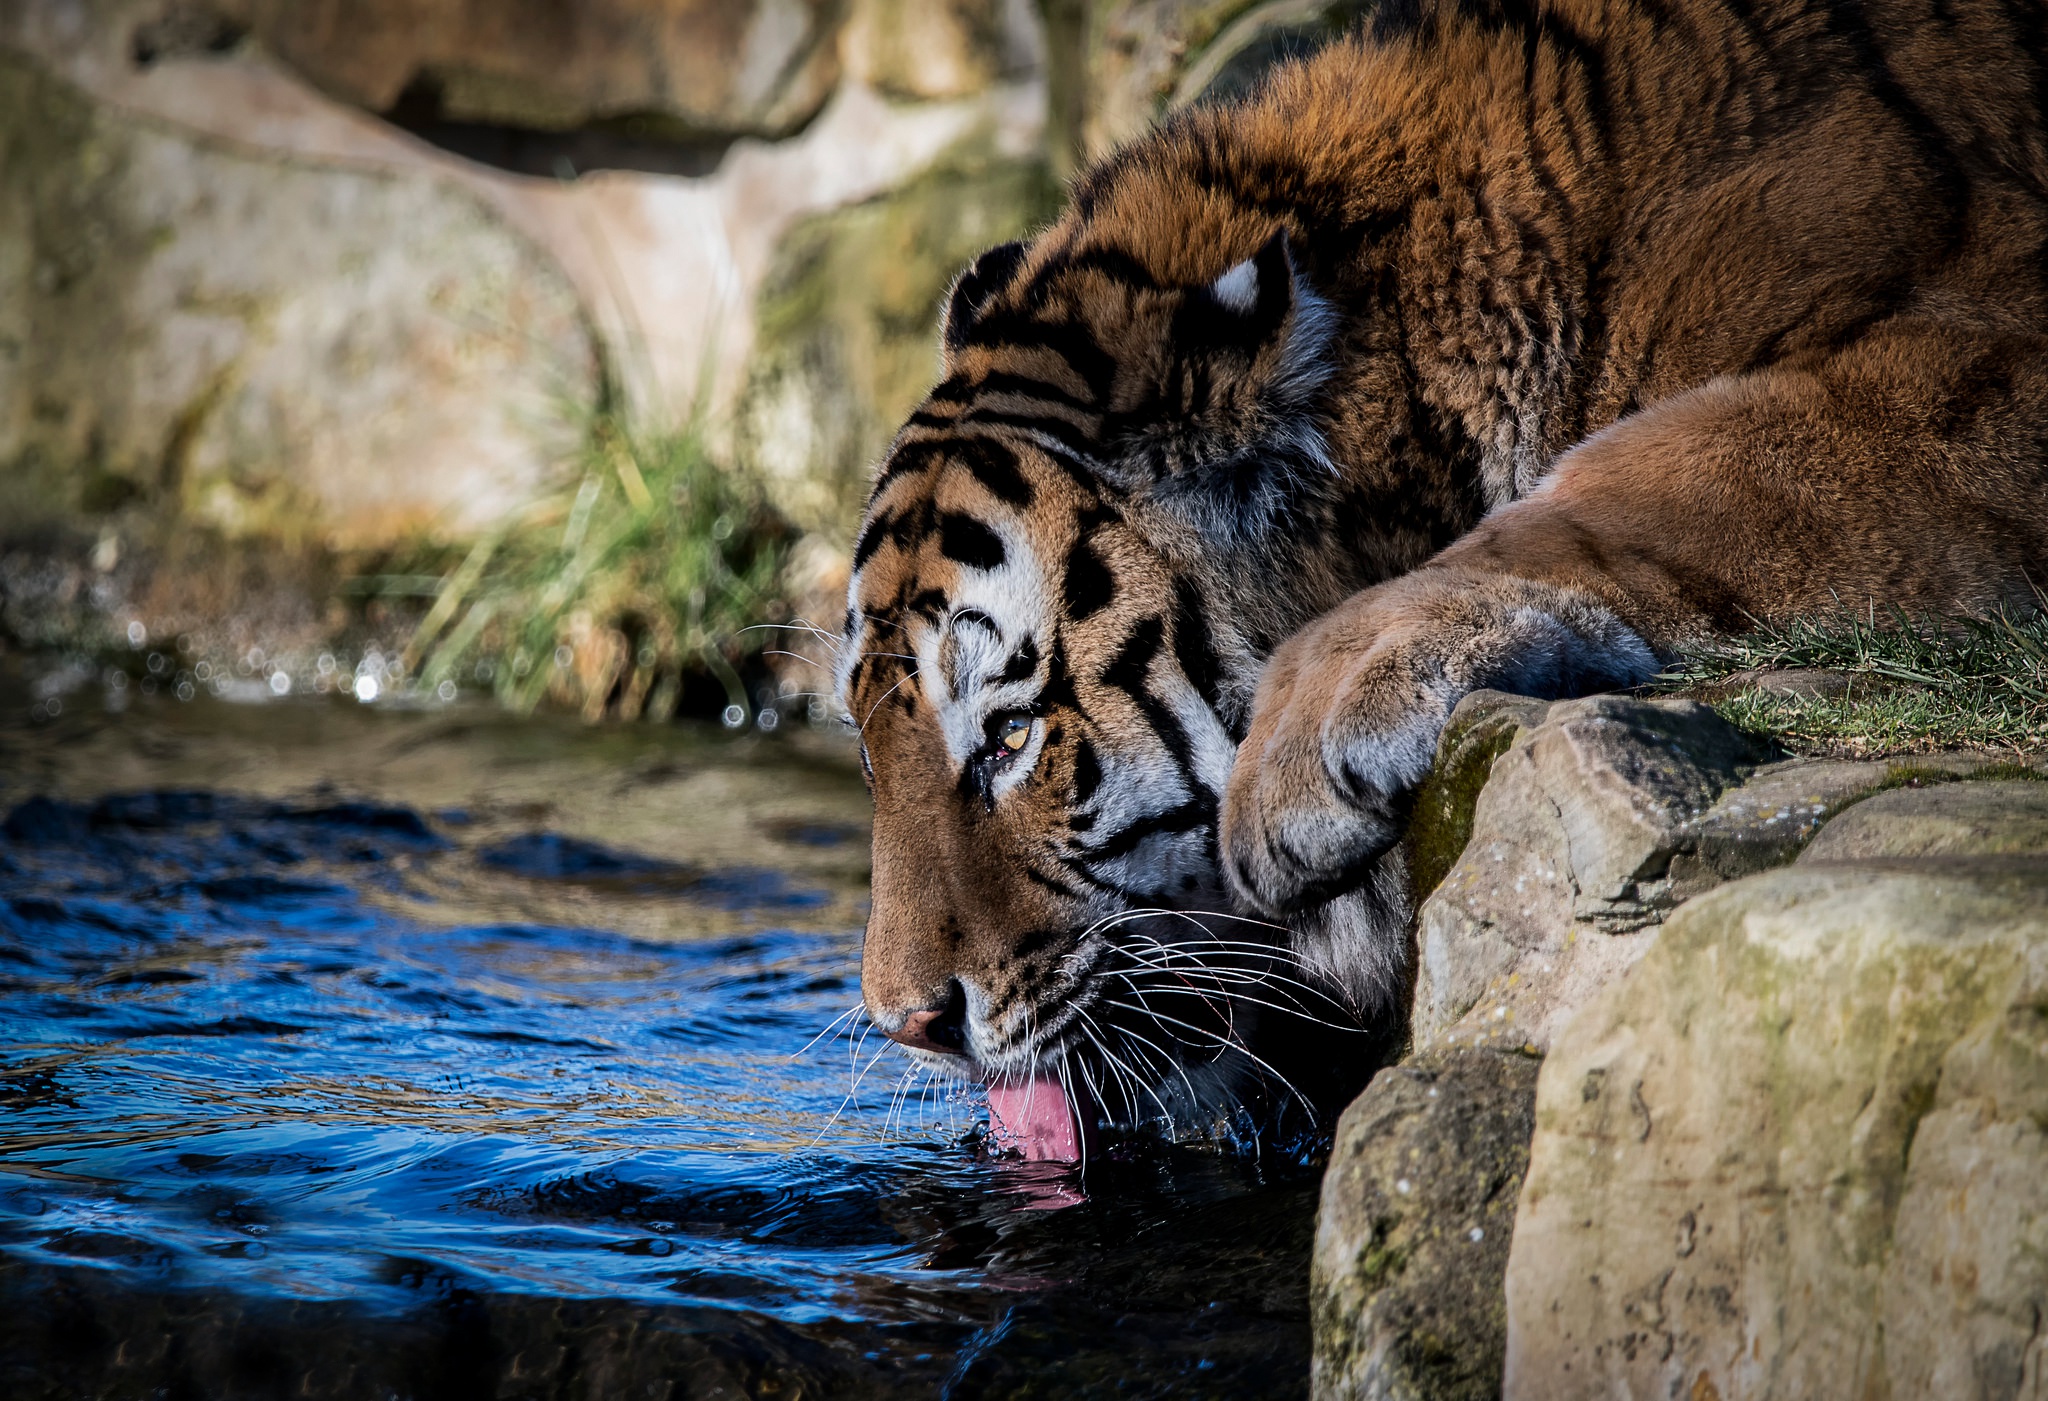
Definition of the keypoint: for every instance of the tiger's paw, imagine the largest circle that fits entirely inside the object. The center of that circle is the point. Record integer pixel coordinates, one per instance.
(1349, 709)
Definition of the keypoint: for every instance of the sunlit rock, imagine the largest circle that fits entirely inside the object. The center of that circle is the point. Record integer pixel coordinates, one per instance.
(204, 332)
(1796, 1152)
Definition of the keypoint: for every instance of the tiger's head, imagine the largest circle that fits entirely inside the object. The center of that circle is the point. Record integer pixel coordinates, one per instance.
(1076, 556)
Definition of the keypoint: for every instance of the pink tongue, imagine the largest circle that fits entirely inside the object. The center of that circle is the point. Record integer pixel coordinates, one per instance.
(1034, 1117)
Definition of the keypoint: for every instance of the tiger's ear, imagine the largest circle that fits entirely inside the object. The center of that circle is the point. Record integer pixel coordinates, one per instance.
(1229, 439)
(1246, 305)
(972, 289)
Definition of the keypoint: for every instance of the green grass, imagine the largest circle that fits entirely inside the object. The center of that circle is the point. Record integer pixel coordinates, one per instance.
(604, 597)
(1914, 685)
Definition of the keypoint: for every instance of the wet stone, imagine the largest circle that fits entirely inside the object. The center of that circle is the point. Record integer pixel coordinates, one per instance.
(1411, 1243)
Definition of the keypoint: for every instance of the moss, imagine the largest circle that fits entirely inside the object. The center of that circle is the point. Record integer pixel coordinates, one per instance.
(1440, 823)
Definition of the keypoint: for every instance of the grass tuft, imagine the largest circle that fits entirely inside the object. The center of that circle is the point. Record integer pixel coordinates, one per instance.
(1906, 685)
(607, 597)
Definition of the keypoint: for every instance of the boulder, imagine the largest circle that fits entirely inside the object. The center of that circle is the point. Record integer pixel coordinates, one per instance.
(1143, 58)
(687, 67)
(1412, 1238)
(1983, 818)
(845, 344)
(197, 332)
(1571, 849)
(1550, 841)
(1798, 1151)
(926, 50)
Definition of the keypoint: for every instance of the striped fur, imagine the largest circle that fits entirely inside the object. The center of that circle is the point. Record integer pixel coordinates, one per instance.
(1510, 344)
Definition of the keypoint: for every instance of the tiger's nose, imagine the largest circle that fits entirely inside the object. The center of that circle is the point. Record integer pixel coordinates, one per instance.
(942, 1028)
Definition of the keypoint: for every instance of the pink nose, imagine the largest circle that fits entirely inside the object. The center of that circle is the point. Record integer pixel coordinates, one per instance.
(938, 1029)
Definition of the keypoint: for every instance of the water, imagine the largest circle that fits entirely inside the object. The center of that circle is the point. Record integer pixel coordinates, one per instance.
(356, 1053)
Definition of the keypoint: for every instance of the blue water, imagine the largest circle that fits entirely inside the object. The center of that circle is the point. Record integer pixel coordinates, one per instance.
(311, 1091)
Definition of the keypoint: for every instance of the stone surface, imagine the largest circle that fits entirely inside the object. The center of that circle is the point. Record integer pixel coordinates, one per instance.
(194, 331)
(758, 67)
(1572, 847)
(1983, 818)
(1796, 1152)
(1597, 818)
(1142, 58)
(923, 50)
(1480, 730)
(658, 278)
(845, 339)
(1412, 1237)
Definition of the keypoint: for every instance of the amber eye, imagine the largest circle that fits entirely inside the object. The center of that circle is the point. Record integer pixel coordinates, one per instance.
(1015, 733)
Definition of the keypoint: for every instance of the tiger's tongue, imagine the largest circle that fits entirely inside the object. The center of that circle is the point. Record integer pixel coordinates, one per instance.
(1035, 1117)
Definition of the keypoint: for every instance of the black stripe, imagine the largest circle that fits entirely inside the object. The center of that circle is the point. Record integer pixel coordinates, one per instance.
(1128, 669)
(1189, 816)
(967, 540)
(870, 540)
(1088, 586)
(1055, 885)
(1129, 673)
(1087, 772)
(1064, 431)
(1072, 343)
(1192, 647)
(1022, 665)
(1117, 264)
(1028, 387)
(995, 467)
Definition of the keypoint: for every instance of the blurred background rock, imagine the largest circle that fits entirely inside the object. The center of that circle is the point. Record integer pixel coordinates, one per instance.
(519, 345)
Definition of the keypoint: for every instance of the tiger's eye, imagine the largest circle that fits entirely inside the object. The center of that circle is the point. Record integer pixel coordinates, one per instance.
(1016, 734)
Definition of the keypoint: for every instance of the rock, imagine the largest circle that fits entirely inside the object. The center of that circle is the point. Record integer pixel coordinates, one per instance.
(738, 67)
(1572, 844)
(846, 329)
(1142, 58)
(1597, 818)
(1480, 730)
(1797, 1151)
(1982, 818)
(1967, 1280)
(1412, 1238)
(925, 50)
(205, 334)
(1796, 683)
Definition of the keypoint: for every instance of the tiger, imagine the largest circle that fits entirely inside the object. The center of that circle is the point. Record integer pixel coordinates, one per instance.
(1514, 344)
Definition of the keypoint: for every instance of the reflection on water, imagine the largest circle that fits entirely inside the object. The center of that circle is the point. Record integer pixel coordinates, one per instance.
(358, 1054)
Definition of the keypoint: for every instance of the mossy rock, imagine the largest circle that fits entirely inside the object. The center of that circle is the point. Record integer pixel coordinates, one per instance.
(847, 327)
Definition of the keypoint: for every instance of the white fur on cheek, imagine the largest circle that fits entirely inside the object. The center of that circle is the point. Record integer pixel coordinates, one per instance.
(959, 663)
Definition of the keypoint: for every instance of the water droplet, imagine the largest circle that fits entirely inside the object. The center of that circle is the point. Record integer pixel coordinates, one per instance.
(446, 690)
(769, 718)
(734, 716)
(280, 683)
(137, 634)
(1478, 1233)
(366, 688)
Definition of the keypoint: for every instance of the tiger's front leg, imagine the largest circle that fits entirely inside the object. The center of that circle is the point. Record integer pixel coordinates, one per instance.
(1349, 709)
(1904, 472)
